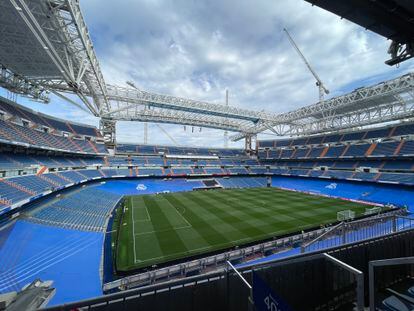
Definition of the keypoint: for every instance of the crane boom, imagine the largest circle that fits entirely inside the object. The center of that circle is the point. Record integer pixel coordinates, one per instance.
(322, 89)
(167, 134)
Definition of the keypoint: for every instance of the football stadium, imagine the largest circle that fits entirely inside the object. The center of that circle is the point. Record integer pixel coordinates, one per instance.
(136, 200)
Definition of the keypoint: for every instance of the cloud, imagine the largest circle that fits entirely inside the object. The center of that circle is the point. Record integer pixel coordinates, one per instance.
(197, 49)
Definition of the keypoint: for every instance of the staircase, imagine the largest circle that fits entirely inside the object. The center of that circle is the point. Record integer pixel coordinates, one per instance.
(308, 153)
(50, 181)
(370, 149)
(17, 186)
(64, 178)
(22, 134)
(76, 144)
(73, 131)
(325, 150)
(80, 174)
(5, 134)
(42, 170)
(392, 131)
(5, 201)
(106, 161)
(397, 150)
(365, 135)
(93, 146)
(345, 150)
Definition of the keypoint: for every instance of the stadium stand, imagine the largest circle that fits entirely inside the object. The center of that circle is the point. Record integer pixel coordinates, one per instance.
(87, 209)
(24, 127)
(242, 182)
(374, 155)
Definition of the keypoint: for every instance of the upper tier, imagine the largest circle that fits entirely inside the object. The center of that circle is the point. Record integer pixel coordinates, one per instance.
(23, 127)
(393, 131)
(47, 121)
(391, 141)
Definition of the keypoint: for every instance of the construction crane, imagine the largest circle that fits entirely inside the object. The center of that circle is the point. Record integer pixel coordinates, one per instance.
(168, 135)
(226, 133)
(132, 84)
(322, 89)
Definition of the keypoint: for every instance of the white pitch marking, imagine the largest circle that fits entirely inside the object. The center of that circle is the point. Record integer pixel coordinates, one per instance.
(146, 210)
(133, 230)
(157, 231)
(182, 216)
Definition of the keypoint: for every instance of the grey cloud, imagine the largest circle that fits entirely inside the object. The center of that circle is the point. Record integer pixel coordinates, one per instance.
(196, 49)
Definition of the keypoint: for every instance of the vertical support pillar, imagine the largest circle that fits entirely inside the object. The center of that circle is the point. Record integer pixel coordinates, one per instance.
(248, 144)
(145, 133)
(226, 133)
(394, 223)
(343, 232)
(249, 141)
(108, 130)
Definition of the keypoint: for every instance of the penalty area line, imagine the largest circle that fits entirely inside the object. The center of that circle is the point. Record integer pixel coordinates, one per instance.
(165, 230)
(133, 230)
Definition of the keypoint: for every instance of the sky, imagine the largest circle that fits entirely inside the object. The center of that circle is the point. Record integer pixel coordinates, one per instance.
(199, 48)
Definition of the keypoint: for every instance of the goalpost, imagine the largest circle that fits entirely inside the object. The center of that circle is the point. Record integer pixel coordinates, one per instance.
(345, 215)
(373, 210)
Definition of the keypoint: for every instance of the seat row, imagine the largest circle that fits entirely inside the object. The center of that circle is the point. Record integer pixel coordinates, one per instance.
(401, 148)
(24, 113)
(400, 130)
(13, 161)
(16, 134)
(87, 209)
(22, 188)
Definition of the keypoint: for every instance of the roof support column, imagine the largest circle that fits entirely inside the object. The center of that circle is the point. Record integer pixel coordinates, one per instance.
(250, 144)
(108, 130)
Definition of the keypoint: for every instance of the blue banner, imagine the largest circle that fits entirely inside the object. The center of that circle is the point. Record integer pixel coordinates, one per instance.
(264, 297)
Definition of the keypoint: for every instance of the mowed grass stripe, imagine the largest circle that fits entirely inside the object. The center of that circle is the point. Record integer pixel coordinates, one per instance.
(193, 240)
(207, 219)
(224, 213)
(270, 224)
(202, 227)
(243, 208)
(264, 218)
(169, 241)
(212, 220)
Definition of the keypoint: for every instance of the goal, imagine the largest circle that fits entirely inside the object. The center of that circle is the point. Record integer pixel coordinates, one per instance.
(373, 210)
(345, 215)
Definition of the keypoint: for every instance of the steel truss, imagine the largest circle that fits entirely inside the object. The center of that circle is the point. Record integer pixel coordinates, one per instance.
(137, 105)
(48, 44)
(386, 101)
(20, 85)
(45, 46)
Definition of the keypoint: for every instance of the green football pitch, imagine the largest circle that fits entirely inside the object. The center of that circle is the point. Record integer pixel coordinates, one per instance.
(158, 228)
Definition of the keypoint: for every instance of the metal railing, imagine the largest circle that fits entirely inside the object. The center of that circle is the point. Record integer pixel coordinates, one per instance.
(359, 230)
(315, 240)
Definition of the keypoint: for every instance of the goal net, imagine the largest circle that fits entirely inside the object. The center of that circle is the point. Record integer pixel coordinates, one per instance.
(373, 210)
(345, 215)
